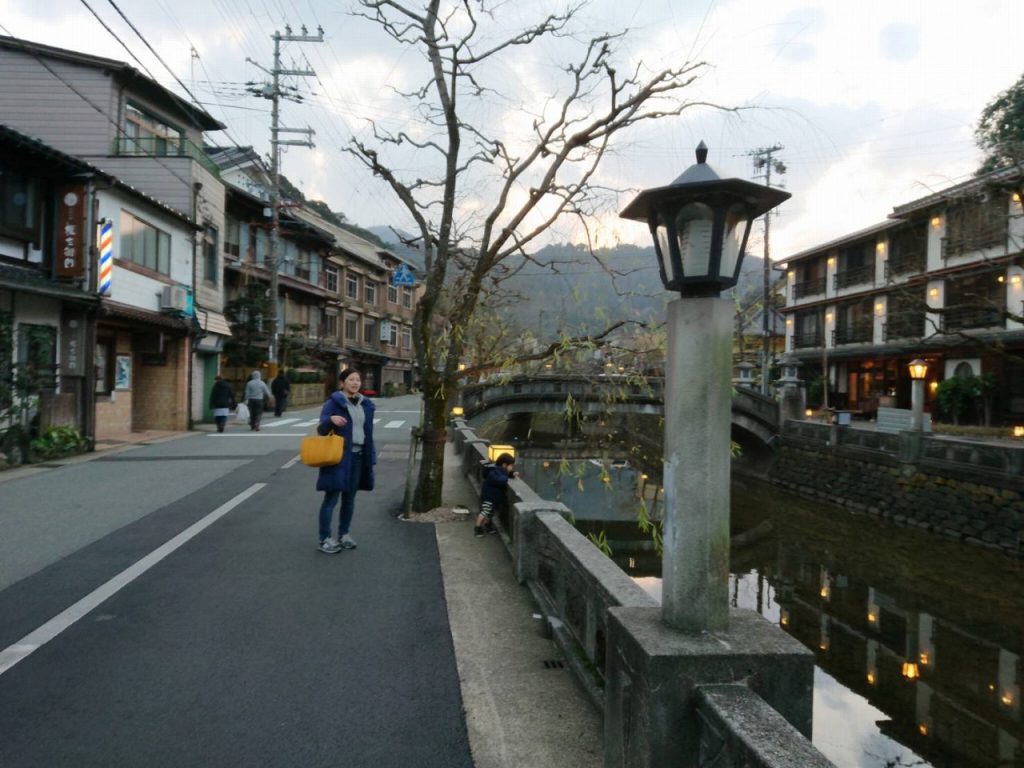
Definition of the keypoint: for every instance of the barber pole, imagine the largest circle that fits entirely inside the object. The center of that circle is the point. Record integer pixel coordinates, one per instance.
(106, 256)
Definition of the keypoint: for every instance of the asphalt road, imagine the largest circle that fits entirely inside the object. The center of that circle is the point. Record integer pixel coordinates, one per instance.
(166, 606)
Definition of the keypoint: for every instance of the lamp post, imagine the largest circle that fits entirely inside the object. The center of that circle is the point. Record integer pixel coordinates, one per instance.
(918, 371)
(700, 224)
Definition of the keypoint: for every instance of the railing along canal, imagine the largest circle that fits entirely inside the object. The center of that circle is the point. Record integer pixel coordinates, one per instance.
(575, 585)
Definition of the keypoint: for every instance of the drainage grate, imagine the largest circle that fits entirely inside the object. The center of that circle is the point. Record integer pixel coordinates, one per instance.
(554, 664)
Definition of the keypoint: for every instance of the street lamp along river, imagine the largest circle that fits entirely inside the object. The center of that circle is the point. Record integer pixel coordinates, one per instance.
(700, 224)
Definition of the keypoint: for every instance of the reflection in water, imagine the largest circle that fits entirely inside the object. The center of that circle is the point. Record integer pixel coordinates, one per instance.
(918, 641)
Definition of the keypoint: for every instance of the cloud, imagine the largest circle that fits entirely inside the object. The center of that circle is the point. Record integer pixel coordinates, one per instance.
(899, 42)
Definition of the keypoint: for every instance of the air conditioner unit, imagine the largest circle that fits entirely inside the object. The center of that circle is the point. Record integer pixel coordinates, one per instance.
(174, 298)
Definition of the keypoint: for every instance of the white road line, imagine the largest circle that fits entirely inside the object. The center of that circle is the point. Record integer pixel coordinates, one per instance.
(376, 422)
(307, 423)
(280, 423)
(44, 634)
(394, 424)
(291, 463)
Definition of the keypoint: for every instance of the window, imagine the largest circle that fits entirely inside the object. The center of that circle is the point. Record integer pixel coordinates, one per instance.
(407, 298)
(144, 244)
(145, 134)
(19, 204)
(332, 279)
(370, 331)
(211, 254)
(350, 329)
(393, 334)
(371, 292)
(392, 294)
(331, 325)
(974, 225)
(406, 338)
(232, 236)
(37, 354)
(352, 287)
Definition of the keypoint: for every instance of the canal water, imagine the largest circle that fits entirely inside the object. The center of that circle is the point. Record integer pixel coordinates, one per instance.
(917, 640)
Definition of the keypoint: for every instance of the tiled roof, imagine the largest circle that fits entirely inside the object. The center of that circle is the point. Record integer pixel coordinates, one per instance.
(33, 280)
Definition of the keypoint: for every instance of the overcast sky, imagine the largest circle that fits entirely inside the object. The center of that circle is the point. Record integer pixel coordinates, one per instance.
(874, 101)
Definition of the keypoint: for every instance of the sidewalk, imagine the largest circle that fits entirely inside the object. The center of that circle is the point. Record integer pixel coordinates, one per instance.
(519, 713)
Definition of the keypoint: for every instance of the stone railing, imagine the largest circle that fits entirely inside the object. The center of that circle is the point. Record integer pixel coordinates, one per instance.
(657, 713)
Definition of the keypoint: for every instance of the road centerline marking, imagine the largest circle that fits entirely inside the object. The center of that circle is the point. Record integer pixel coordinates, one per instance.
(45, 633)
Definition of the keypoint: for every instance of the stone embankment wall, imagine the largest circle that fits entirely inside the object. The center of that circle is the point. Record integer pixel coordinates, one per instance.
(978, 505)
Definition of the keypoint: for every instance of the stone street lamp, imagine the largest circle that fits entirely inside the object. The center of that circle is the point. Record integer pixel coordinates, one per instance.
(700, 224)
(918, 372)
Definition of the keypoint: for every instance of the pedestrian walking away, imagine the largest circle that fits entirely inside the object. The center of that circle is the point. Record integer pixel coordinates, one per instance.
(493, 491)
(281, 387)
(222, 401)
(256, 395)
(349, 414)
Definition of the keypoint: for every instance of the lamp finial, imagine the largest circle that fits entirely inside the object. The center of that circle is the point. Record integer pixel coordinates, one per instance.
(702, 152)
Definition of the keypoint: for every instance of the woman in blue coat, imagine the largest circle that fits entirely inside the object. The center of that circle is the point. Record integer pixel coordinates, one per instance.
(349, 414)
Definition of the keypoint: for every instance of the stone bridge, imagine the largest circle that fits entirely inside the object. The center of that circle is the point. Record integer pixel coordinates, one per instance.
(755, 418)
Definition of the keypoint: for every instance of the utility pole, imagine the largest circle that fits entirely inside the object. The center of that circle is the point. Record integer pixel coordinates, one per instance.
(765, 162)
(274, 92)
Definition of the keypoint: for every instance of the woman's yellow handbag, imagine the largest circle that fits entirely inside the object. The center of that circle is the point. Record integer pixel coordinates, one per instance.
(322, 450)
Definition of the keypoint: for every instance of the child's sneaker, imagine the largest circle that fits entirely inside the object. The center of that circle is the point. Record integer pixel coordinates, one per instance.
(478, 531)
(490, 527)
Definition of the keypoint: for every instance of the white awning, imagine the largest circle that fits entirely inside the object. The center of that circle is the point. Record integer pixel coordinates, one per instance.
(213, 322)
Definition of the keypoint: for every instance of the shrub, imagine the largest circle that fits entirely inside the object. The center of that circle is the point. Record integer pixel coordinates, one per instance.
(57, 442)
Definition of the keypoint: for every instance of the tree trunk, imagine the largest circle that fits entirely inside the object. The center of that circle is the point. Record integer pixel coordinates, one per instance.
(435, 422)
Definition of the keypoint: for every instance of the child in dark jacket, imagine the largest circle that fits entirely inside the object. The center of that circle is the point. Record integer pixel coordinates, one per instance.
(492, 491)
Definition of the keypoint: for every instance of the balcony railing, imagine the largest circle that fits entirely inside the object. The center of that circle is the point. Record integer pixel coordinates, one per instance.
(813, 287)
(154, 146)
(856, 276)
(974, 241)
(855, 333)
(904, 265)
(903, 325)
(963, 318)
(804, 339)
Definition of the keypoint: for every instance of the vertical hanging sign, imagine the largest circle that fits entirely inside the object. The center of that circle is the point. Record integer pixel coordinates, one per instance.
(106, 270)
(70, 231)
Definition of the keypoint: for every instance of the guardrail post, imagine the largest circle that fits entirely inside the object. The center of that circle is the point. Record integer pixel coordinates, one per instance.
(524, 539)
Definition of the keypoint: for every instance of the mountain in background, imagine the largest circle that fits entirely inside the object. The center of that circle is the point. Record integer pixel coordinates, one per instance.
(584, 293)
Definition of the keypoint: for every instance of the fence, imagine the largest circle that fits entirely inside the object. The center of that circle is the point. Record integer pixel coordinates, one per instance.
(577, 588)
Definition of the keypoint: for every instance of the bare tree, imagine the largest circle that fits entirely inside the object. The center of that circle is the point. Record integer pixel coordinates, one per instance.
(520, 184)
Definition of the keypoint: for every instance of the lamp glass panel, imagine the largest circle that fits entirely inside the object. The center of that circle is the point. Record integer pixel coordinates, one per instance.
(736, 224)
(694, 227)
(664, 253)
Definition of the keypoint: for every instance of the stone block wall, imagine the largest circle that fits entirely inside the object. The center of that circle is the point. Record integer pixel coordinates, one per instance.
(161, 391)
(979, 510)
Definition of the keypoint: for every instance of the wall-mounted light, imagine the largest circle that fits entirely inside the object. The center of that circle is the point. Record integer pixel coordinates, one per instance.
(824, 592)
(924, 658)
(1001, 279)
(871, 678)
(784, 618)
(1015, 280)
(872, 618)
(831, 261)
(1018, 431)
(910, 670)
(933, 385)
(880, 248)
(923, 729)
(1007, 699)
(936, 222)
(828, 317)
(879, 308)
(789, 321)
(808, 413)
(458, 410)
(933, 293)
(1016, 197)
(462, 366)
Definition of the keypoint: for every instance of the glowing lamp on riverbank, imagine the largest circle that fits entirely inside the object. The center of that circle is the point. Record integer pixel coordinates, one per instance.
(918, 369)
(458, 410)
(494, 451)
(700, 224)
(911, 670)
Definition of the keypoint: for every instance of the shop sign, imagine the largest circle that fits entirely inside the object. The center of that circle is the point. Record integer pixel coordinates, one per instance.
(71, 244)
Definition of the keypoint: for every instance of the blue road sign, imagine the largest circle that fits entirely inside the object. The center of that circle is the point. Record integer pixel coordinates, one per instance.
(403, 276)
